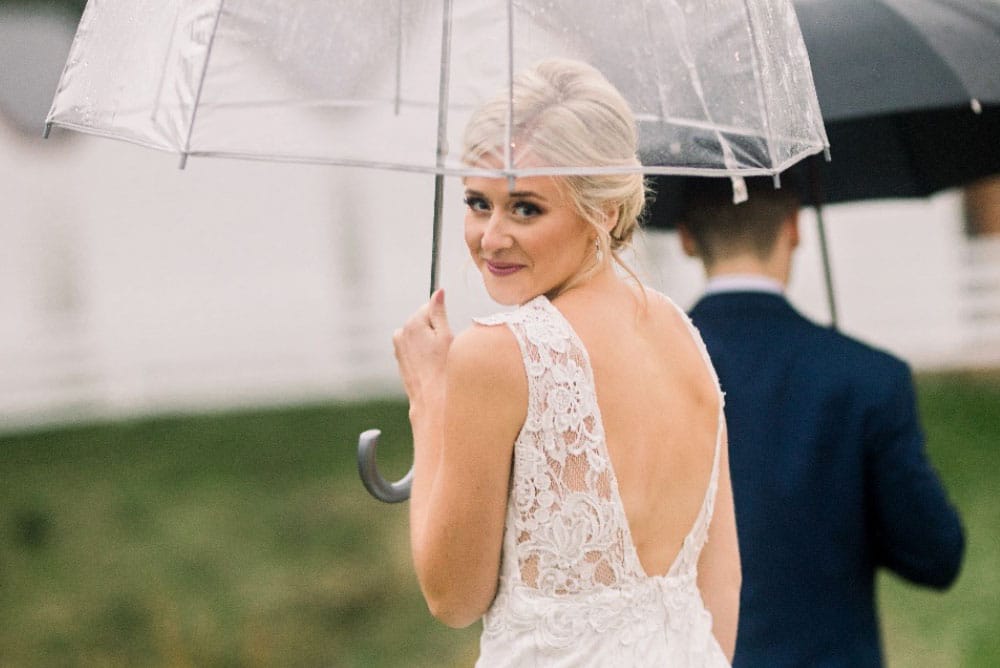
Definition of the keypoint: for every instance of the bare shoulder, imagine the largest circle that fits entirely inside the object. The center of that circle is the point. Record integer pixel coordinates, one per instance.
(487, 384)
(661, 312)
(663, 305)
(486, 354)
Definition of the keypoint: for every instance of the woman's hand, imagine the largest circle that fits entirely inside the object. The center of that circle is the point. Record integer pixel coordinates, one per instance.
(422, 351)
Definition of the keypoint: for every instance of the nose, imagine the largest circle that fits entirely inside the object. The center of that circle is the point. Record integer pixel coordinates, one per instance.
(494, 234)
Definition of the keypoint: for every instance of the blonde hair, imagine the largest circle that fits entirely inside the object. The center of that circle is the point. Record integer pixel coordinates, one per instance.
(567, 114)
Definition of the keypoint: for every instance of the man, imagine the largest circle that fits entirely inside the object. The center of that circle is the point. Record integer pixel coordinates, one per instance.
(830, 477)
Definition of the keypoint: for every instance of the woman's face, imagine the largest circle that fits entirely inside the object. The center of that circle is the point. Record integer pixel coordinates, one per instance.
(526, 242)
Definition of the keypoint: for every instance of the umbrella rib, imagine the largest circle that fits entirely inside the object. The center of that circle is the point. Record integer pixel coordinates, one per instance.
(285, 103)
(659, 73)
(201, 85)
(72, 57)
(399, 55)
(508, 159)
(367, 163)
(163, 73)
(761, 98)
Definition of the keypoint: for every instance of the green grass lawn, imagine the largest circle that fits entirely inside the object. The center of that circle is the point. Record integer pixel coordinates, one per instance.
(247, 540)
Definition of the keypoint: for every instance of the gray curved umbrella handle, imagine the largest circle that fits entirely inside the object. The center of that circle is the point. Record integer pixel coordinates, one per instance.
(377, 486)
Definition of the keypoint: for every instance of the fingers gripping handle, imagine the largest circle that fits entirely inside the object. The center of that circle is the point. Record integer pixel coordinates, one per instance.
(377, 486)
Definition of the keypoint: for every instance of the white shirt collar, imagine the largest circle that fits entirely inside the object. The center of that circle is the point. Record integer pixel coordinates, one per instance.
(743, 283)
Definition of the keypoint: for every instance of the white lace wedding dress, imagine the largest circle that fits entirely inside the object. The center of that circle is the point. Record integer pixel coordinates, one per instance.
(572, 591)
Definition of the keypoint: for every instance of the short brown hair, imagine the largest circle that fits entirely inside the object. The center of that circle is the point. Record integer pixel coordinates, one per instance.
(722, 230)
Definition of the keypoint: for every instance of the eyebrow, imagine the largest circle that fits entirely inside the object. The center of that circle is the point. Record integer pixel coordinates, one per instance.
(515, 194)
(525, 193)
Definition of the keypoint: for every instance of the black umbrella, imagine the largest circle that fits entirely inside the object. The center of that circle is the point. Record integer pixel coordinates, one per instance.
(910, 96)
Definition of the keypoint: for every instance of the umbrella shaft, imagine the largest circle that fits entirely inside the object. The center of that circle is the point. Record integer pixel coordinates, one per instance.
(436, 229)
(827, 271)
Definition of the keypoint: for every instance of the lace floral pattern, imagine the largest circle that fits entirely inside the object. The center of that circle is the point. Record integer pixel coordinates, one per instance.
(569, 529)
(569, 567)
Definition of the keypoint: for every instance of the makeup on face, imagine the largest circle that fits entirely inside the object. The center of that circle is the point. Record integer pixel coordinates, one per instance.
(526, 241)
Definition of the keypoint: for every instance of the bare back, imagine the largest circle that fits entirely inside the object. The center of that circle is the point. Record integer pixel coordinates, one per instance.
(602, 559)
(660, 408)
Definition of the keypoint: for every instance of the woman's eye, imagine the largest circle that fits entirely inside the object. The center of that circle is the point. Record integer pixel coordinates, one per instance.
(525, 209)
(477, 204)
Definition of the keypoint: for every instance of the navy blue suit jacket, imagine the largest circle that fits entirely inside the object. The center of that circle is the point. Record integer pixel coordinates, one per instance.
(830, 482)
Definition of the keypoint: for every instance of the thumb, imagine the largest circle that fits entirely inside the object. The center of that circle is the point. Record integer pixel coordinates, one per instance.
(438, 313)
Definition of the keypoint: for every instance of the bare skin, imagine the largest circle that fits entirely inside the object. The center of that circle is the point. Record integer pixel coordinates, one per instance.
(468, 400)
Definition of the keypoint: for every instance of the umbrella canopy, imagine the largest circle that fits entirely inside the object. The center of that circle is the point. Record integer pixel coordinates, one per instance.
(911, 154)
(909, 91)
(879, 57)
(719, 87)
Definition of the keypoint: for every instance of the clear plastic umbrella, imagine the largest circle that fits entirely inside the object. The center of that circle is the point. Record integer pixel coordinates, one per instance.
(718, 87)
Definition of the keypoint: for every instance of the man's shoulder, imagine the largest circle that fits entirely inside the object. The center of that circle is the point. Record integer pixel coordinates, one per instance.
(736, 320)
(849, 349)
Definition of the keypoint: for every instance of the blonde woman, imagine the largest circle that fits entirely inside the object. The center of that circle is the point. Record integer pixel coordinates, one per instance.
(571, 481)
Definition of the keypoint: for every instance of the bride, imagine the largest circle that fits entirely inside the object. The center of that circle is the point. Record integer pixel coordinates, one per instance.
(571, 483)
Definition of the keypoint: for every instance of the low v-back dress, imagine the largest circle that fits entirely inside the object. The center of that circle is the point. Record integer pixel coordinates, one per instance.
(572, 591)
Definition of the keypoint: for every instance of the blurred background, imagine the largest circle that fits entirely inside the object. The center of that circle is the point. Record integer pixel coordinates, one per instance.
(187, 357)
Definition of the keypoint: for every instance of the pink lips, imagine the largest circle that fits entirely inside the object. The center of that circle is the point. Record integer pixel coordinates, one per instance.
(503, 268)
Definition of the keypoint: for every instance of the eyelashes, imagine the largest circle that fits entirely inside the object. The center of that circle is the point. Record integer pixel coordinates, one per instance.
(526, 209)
(475, 203)
(518, 208)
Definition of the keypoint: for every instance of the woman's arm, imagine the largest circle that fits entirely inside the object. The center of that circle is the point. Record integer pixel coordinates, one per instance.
(719, 574)
(468, 399)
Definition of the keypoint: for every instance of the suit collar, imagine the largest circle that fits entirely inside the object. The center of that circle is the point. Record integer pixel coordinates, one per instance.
(743, 283)
(746, 301)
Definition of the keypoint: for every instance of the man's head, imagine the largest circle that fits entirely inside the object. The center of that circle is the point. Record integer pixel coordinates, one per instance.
(760, 231)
